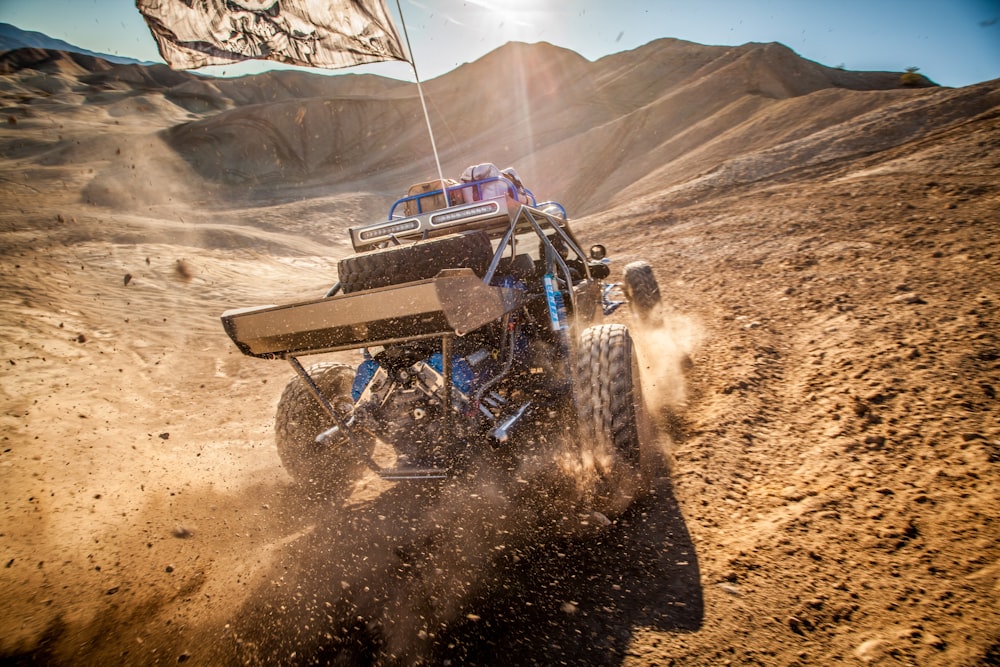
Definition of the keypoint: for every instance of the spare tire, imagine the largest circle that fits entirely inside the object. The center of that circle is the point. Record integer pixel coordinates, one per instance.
(415, 261)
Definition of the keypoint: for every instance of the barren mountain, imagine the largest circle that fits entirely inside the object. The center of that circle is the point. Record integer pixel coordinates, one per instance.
(12, 37)
(825, 375)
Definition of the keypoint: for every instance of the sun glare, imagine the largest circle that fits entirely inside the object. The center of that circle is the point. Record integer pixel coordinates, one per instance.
(517, 16)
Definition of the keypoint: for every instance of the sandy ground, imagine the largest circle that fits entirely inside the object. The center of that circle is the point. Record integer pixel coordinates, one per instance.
(834, 439)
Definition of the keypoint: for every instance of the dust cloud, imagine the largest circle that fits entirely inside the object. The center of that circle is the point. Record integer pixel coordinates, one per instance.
(395, 578)
(665, 344)
(408, 573)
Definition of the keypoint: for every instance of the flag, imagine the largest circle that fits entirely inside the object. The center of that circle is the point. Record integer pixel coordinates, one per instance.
(313, 33)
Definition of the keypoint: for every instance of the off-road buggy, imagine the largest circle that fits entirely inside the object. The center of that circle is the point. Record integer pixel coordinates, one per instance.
(480, 320)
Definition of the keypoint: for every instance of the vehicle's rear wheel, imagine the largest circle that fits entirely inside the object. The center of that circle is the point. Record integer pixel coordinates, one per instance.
(318, 468)
(612, 417)
(641, 288)
(415, 261)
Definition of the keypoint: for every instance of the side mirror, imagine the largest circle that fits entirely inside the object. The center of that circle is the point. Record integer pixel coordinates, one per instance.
(598, 252)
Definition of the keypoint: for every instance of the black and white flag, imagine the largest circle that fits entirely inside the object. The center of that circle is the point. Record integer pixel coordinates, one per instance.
(313, 33)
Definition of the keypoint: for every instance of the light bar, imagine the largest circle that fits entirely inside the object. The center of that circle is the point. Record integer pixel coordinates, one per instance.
(471, 212)
(387, 230)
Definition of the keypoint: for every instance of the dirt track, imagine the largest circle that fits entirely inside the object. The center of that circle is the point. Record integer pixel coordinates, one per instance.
(834, 442)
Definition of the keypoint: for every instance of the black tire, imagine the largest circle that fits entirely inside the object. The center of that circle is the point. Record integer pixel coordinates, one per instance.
(415, 261)
(612, 416)
(641, 288)
(319, 468)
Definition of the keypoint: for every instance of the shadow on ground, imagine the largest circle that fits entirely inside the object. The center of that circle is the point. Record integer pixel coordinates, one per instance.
(404, 581)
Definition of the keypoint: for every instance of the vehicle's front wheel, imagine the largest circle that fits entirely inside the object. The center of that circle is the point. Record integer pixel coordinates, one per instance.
(641, 289)
(319, 468)
(614, 424)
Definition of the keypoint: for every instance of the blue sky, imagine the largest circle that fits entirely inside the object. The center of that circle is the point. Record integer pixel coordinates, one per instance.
(954, 42)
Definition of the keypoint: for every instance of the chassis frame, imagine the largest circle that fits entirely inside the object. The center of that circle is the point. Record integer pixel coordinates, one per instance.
(445, 307)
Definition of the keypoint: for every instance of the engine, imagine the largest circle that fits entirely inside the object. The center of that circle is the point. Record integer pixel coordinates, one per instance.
(401, 402)
(498, 373)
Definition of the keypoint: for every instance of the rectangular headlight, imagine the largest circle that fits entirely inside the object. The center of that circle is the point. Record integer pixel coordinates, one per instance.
(387, 230)
(471, 212)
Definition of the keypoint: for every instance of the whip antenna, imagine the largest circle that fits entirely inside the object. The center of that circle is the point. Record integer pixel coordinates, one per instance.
(423, 104)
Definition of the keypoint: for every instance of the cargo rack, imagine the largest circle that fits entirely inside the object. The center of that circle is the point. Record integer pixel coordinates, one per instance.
(491, 214)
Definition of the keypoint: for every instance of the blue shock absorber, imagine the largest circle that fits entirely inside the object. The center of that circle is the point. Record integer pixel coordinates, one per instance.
(554, 298)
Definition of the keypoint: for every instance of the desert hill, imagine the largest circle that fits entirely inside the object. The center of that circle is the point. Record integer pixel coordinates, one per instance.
(825, 374)
(12, 37)
(673, 110)
(541, 107)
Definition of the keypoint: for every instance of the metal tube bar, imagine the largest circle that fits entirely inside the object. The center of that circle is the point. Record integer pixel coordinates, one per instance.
(501, 249)
(320, 398)
(330, 410)
(508, 363)
(448, 390)
(553, 258)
